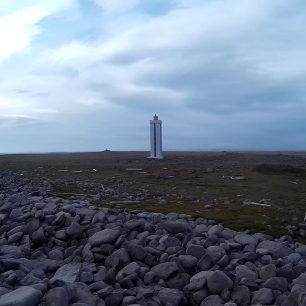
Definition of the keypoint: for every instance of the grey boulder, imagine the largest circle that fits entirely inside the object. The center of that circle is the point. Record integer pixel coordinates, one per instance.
(263, 296)
(57, 297)
(219, 281)
(165, 270)
(68, 273)
(23, 296)
(171, 297)
(105, 236)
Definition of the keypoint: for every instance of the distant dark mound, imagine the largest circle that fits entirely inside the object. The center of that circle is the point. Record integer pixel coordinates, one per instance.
(279, 169)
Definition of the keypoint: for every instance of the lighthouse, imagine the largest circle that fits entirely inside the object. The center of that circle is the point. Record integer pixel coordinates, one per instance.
(156, 138)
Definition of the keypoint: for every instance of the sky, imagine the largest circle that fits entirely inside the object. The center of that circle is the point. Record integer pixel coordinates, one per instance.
(88, 75)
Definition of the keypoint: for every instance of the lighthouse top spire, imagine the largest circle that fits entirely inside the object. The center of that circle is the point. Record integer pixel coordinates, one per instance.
(155, 117)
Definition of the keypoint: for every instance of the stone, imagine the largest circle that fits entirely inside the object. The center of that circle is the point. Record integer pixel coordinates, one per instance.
(243, 271)
(38, 237)
(215, 252)
(74, 230)
(205, 263)
(104, 236)
(267, 271)
(274, 248)
(241, 295)
(187, 261)
(301, 279)
(200, 295)
(218, 281)
(137, 252)
(171, 297)
(57, 297)
(23, 296)
(212, 300)
(178, 281)
(263, 296)
(245, 239)
(195, 250)
(15, 237)
(302, 299)
(118, 258)
(198, 281)
(175, 227)
(131, 268)
(276, 283)
(67, 273)
(60, 219)
(165, 270)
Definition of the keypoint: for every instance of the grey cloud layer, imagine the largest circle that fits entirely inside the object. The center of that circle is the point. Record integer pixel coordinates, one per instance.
(224, 74)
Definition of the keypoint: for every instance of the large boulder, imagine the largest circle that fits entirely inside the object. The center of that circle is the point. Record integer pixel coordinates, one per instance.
(23, 296)
(105, 236)
(219, 281)
(241, 295)
(68, 273)
(57, 297)
(263, 296)
(171, 297)
(274, 248)
(175, 227)
(165, 270)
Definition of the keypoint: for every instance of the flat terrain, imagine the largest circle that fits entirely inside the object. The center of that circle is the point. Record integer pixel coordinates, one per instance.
(220, 186)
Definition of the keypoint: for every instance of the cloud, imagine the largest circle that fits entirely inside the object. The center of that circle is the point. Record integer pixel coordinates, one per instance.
(116, 6)
(226, 71)
(19, 28)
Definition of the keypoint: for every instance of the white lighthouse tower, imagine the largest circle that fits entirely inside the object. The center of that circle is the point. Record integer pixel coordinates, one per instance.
(156, 138)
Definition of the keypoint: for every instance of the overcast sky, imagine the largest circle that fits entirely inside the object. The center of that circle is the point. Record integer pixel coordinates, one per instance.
(86, 75)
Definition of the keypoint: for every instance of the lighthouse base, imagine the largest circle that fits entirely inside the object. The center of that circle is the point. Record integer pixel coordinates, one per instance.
(155, 157)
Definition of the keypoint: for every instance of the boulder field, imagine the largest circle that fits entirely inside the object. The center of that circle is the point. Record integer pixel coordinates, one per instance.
(58, 252)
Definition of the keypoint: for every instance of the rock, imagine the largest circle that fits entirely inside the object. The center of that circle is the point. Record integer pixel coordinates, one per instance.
(276, 283)
(15, 237)
(165, 270)
(57, 297)
(302, 299)
(23, 296)
(245, 239)
(200, 295)
(198, 281)
(267, 271)
(218, 281)
(274, 248)
(175, 227)
(301, 280)
(135, 251)
(205, 263)
(187, 261)
(212, 300)
(60, 219)
(104, 236)
(195, 250)
(74, 230)
(169, 241)
(215, 252)
(263, 296)
(301, 249)
(68, 273)
(243, 271)
(171, 297)
(38, 237)
(119, 258)
(241, 295)
(178, 281)
(131, 268)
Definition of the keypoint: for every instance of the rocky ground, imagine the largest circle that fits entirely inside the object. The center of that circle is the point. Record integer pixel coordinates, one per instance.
(62, 252)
